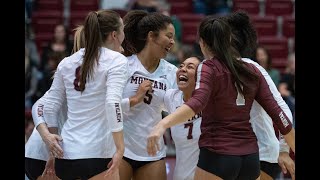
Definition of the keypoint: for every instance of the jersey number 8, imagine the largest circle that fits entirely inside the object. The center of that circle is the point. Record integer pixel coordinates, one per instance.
(76, 81)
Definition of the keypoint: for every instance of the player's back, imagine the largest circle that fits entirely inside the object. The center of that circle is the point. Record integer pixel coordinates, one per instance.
(87, 118)
(225, 120)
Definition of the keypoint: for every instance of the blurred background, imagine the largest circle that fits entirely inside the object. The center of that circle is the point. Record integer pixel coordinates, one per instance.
(49, 28)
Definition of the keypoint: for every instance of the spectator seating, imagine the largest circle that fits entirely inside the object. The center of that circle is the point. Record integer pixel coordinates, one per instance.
(188, 17)
(84, 5)
(181, 7)
(79, 9)
(42, 40)
(279, 7)
(172, 1)
(265, 25)
(288, 26)
(277, 46)
(280, 64)
(189, 33)
(56, 5)
(252, 7)
(44, 22)
(77, 18)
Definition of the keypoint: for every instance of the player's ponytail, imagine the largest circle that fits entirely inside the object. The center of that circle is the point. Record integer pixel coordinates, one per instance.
(132, 43)
(216, 34)
(97, 26)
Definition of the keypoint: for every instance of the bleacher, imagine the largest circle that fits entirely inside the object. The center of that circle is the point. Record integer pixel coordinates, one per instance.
(49, 13)
(274, 21)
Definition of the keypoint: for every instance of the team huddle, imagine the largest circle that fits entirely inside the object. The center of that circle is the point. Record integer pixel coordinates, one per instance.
(102, 116)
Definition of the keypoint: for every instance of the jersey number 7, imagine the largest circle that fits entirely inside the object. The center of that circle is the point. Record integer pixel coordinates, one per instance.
(190, 126)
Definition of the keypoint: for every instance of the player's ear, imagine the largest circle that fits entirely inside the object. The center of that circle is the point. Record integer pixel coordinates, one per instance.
(113, 34)
(151, 35)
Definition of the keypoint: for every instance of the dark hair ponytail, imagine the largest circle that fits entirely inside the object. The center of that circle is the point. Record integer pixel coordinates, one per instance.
(244, 36)
(216, 34)
(97, 26)
(132, 41)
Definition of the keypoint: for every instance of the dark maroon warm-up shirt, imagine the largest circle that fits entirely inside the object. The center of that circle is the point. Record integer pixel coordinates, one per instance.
(225, 127)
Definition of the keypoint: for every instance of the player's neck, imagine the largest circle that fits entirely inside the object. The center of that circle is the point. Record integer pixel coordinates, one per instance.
(186, 95)
(149, 62)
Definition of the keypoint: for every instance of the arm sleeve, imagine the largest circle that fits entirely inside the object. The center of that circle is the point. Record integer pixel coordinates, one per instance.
(202, 92)
(284, 147)
(117, 78)
(265, 98)
(55, 96)
(125, 105)
(37, 113)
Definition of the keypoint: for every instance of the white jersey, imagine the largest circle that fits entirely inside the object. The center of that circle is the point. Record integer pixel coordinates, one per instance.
(185, 136)
(140, 119)
(94, 113)
(35, 148)
(262, 124)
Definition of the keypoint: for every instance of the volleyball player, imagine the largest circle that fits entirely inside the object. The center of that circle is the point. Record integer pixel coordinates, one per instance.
(148, 39)
(185, 135)
(270, 151)
(225, 91)
(37, 159)
(92, 80)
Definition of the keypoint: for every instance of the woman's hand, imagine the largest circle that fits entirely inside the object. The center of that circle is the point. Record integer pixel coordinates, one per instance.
(153, 139)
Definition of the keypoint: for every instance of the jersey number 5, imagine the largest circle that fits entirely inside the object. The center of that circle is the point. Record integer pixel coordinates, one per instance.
(76, 82)
(147, 99)
(190, 126)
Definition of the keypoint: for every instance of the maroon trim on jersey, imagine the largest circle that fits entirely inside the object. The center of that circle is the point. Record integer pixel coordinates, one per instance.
(203, 88)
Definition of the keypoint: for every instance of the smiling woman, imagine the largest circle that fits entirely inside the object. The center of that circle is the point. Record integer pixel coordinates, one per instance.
(185, 135)
(148, 39)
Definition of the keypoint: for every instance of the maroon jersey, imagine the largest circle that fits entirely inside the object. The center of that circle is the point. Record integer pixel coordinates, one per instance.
(225, 126)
